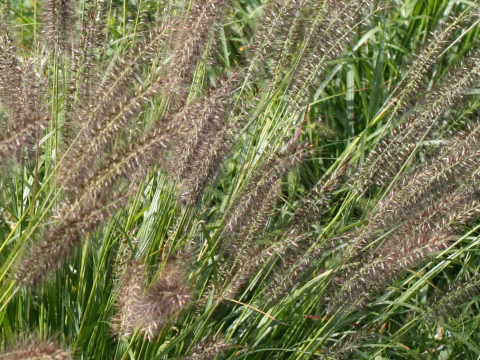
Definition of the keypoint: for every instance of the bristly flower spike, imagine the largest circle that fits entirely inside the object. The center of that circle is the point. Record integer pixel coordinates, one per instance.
(201, 23)
(20, 88)
(147, 309)
(247, 215)
(205, 150)
(208, 349)
(59, 21)
(36, 350)
(95, 202)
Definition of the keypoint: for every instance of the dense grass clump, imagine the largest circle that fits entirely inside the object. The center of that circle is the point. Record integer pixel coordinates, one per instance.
(219, 179)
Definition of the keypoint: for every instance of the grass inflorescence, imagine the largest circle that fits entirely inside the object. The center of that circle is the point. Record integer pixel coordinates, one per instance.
(219, 179)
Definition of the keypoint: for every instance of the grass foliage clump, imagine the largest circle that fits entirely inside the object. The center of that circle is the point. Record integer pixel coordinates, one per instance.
(217, 179)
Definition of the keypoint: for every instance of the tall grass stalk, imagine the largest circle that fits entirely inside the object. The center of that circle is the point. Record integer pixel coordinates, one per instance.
(213, 179)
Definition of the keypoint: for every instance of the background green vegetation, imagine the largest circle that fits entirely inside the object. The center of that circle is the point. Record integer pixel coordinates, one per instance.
(430, 311)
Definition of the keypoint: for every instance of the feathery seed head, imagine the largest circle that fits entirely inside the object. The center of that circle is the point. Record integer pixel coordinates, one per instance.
(149, 309)
(251, 198)
(11, 78)
(208, 349)
(189, 41)
(201, 122)
(74, 222)
(36, 350)
(59, 21)
(392, 152)
(210, 152)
